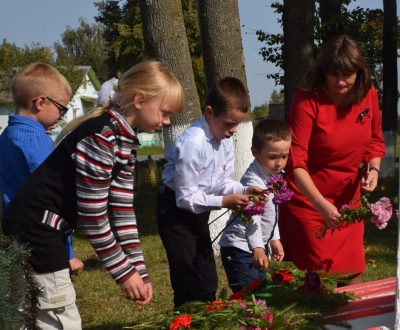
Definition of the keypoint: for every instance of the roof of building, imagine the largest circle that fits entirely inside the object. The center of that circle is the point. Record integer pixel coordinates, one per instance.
(6, 97)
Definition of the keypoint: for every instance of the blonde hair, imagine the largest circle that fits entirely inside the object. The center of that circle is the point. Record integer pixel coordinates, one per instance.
(150, 77)
(36, 79)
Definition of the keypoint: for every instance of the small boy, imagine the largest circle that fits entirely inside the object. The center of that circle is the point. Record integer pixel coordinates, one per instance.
(243, 245)
(40, 94)
(199, 178)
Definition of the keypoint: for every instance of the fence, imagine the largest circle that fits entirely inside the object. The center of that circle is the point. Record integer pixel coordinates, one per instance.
(153, 139)
(148, 173)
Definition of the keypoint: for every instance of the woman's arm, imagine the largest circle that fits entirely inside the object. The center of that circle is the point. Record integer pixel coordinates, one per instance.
(375, 150)
(370, 179)
(327, 210)
(302, 119)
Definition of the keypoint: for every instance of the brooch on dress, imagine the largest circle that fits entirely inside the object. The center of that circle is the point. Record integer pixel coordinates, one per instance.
(361, 115)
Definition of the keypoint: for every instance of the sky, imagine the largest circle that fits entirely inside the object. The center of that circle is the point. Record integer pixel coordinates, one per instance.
(26, 21)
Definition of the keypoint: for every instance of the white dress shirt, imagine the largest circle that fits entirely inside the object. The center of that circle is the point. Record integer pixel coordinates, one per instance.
(257, 234)
(200, 169)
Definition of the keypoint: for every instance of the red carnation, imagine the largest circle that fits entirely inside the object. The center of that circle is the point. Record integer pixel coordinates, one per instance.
(283, 275)
(237, 296)
(254, 284)
(179, 321)
(216, 305)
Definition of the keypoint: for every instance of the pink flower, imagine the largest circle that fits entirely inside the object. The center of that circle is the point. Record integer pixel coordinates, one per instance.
(380, 225)
(381, 212)
(278, 186)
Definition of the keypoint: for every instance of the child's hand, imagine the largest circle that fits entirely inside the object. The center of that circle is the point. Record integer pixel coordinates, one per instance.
(254, 190)
(134, 289)
(260, 260)
(277, 252)
(75, 266)
(235, 201)
(149, 289)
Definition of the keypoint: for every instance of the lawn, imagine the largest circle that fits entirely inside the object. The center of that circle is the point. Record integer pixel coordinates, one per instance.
(150, 150)
(100, 300)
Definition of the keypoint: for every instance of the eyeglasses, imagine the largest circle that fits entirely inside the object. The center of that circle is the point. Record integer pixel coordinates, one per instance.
(63, 110)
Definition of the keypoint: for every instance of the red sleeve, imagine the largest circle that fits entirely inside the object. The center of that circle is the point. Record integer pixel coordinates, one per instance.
(376, 147)
(300, 121)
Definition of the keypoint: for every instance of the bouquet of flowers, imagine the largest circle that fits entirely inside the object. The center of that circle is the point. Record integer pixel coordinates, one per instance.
(287, 299)
(255, 207)
(379, 213)
(282, 194)
(278, 186)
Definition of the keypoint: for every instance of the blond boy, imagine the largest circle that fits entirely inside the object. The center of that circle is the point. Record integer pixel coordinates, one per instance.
(40, 94)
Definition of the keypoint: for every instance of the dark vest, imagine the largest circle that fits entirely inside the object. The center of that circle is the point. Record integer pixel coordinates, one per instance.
(50, 187)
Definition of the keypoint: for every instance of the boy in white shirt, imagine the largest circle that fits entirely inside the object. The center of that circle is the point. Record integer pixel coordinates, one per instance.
(199, 178)
(243, 245)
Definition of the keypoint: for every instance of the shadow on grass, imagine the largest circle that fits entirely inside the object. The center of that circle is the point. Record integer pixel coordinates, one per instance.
(145, 209)
(92, 262)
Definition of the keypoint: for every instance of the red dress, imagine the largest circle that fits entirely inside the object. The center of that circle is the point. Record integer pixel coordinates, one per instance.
(330, 142)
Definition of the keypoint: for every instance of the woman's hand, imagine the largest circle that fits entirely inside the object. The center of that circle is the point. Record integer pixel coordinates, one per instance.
(369, 181)
(330, 214)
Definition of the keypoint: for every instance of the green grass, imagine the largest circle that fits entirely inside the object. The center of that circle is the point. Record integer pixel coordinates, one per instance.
(102, 305)
(150, 150)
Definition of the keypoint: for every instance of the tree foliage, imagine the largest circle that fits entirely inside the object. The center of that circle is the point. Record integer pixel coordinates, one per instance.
(276, 97)
(123, 35)
(263, 109)
(260, 110)
(363, 24)
(12, 58)
(84, 46)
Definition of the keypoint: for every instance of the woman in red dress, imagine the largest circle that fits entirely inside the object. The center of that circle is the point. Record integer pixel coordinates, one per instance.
(336, 126)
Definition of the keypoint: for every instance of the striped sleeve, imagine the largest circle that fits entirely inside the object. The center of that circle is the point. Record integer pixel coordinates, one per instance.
(95, 158)
(123, 217)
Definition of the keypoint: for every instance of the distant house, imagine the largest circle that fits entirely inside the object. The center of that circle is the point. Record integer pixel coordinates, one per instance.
(81, 102)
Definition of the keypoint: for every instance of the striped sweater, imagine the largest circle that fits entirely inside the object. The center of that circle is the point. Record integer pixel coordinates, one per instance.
(88, 178)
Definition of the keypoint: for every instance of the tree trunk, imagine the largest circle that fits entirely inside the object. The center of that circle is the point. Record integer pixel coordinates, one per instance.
(331, 18)
(298, 47)
(390, 96)
(223, 56)
(165, 38)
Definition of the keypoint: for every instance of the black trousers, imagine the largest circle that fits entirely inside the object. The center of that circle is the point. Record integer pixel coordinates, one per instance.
(186, 239)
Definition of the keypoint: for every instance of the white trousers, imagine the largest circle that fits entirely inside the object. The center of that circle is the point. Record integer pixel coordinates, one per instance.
(58, 310)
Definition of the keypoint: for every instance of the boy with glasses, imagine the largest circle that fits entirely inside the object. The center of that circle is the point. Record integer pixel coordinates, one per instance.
(25, 142)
